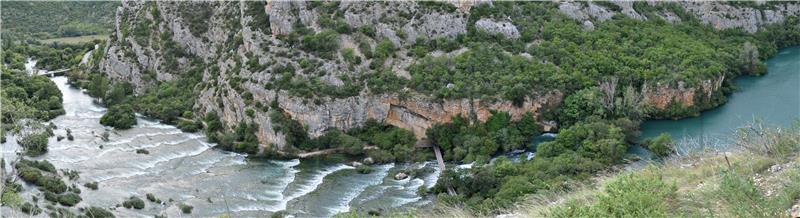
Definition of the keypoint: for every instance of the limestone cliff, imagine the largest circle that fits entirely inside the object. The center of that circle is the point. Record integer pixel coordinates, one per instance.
(223, 36)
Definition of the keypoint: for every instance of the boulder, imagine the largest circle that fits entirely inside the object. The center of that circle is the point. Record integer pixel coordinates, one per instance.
(400, 176)
(368, 161)
(508, 29)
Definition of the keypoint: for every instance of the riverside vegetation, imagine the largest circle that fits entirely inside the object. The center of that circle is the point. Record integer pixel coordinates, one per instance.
(29, 101)
(554, 52)
(759, 179)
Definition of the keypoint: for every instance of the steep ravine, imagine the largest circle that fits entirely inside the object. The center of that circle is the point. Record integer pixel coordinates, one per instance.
(131, 58)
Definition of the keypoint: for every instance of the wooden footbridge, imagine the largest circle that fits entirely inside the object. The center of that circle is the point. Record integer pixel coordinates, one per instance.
(426, 143)
(60, 72)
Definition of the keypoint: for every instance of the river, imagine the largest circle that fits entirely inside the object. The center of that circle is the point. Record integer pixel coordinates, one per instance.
(773, 99)
(184, 167)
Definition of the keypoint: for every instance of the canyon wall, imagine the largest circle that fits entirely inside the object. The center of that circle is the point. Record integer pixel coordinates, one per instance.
(224, 35)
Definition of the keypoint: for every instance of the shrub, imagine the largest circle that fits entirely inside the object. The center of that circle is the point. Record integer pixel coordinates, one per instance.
(367, 30)
(69, 135)
(380, 156)
(71, 174)
(61, 212)
(190, 126)
(43, 165)
(31, 209)
(351, 145)
(104, 137)
(10, 196)
(74, 189)
(384, 49)
(364, 169)
(152, 198)
(50, 196)
(69, 199)
(97, 212)
(29, 174)
(323, 43)
(52, 183)
(349, 55)
(119, 116)
(133, 202)
(34, 144)
(91, 185)
(187, 209)
(662, 145)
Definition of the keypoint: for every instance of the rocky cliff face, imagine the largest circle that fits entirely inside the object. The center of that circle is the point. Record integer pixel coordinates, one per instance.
(661, 96)
(721, 15)
(223, 36)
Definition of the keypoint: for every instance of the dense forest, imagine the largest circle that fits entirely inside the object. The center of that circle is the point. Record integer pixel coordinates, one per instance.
(57, 19)
(33, 98)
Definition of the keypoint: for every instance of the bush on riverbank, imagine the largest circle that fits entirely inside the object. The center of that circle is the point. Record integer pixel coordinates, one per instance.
(364, 169)
(754, 180)
(43, 165)
(577, 153)
(661, 145)
(32, 172)
(91, 185)
(185, 208)
(35, 144)
(142, 151)
(243, 139)
(97, 212)
(119, 116)
(69, 199)
(28, 97)
(464, 142)
(10, 196)
(133, 202)
(152, 198)
(190, 126)
(31, 209)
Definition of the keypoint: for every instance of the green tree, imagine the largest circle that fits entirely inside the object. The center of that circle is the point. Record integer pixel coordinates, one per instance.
(119, 116)
(751, 62)
(582, 105)
(35, 144)
(662, 145)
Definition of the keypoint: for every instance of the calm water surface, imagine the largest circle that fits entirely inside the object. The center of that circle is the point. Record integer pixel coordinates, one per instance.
(773, 99)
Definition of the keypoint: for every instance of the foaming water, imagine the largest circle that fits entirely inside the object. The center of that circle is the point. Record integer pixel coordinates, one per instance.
(344, 205)
(312, 183)
(184, 167)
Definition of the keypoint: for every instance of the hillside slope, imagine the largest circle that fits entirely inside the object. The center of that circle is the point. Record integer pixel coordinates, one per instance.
(57, 19)
(331, 65)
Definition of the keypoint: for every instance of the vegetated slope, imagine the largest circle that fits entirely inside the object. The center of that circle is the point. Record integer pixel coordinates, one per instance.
(761, 179)
(57, 19)
(335, 65)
